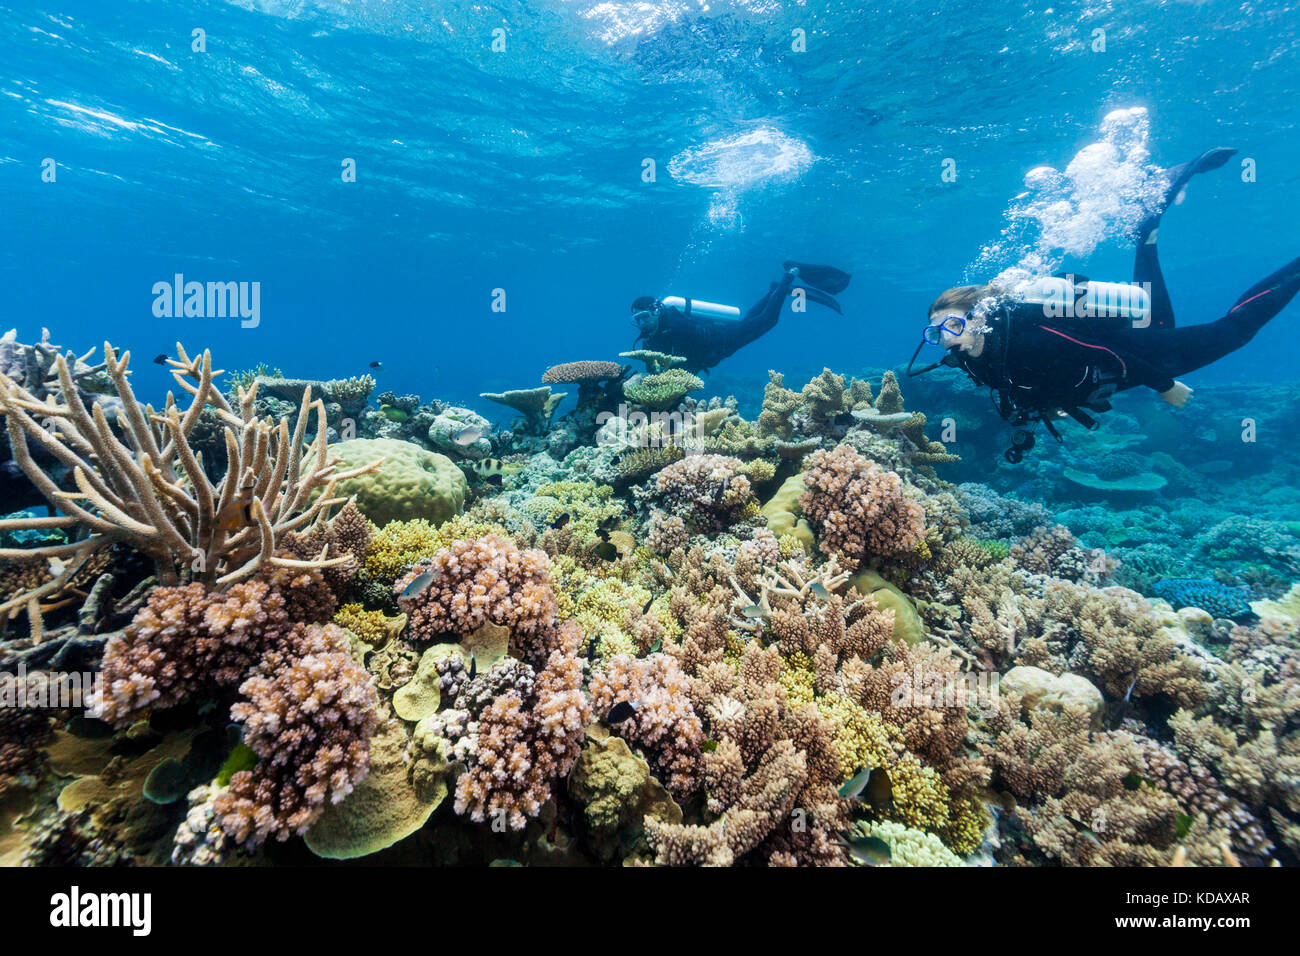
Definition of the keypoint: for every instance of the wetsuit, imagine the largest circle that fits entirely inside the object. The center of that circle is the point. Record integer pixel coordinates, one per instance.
(1036, 362)
(704, 342)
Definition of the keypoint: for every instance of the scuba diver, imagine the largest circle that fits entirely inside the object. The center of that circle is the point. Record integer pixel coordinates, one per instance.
(704, 333)
(1063, 345)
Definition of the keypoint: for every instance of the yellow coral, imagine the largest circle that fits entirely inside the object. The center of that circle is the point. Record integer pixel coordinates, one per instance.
(373, 627)
(399, 544)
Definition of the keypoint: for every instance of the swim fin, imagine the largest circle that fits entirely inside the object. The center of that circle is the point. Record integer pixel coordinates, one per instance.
(827, 278)
(822, 298)
(1179, 176)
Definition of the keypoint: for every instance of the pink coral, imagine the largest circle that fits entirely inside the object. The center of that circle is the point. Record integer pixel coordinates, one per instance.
(707, 491)
(310, 720)
(187, 640)
(860, 511)
(665, 722)
(573, 373)
(526, 738)
(481, 581)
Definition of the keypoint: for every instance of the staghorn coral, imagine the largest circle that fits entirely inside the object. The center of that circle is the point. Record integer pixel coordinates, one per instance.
(141, 483)
(309, 719)
(859, 511)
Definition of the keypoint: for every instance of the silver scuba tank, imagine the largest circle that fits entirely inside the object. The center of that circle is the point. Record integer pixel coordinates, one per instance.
(698, 307)
(1061, 297)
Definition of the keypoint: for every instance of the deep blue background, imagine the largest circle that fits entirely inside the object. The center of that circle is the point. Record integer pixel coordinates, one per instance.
(521, 169)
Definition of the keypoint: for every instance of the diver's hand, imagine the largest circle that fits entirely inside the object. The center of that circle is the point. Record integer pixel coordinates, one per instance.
(1178, 395)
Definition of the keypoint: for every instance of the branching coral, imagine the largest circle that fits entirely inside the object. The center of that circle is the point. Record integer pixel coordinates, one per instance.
(515, 731)
(187, 640)
(860, 511)
(710, 492)
(664, 721)
(309, 719)
(140, 482)
(486, 580)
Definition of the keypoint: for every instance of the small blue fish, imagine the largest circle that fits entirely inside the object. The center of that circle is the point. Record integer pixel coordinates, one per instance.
(417, 586)
(853, 789)
(819, 589)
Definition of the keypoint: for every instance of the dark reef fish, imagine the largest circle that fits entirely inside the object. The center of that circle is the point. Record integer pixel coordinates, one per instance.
(623, 710)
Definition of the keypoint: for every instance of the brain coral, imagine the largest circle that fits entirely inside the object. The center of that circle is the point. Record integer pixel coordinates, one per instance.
(412, 483)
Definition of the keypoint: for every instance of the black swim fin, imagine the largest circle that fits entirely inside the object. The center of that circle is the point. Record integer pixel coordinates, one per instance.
(822, 298)
(827, 278)
(1179, 176)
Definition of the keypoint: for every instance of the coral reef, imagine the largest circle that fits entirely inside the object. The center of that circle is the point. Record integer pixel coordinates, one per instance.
(683, 637)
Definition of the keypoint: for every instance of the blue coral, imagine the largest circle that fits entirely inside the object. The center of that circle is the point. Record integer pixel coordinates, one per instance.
(1219, 600)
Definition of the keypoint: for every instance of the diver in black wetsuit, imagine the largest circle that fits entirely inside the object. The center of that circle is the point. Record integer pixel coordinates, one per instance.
(704, 333)
(1044, 363)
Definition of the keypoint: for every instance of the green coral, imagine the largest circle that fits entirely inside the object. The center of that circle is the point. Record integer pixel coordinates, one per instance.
(411, 483)
(588, 505)
(779, 405)
(663, 390)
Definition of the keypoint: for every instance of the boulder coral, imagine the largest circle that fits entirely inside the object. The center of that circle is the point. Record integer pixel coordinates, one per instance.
(412, 482)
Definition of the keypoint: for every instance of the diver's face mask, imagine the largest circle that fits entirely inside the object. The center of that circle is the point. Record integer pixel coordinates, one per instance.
(950, 327)
(945, 332)
(647, 320)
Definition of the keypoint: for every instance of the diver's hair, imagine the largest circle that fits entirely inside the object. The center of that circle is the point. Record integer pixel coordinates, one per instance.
(960, 298)
(643, 304)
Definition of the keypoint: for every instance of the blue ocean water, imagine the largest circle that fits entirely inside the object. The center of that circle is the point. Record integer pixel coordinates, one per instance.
(521, 169)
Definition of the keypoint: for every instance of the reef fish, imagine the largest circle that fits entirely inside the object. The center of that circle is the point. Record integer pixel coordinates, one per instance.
(854, 788)
(417, 586)
(561, 521)
(623, 710)
(489, 468)
(377, 366)
(237, 512)
(819, 589)
(869, 850)
(393, 413)
(467, 435)
(754, 613)
(160, 359)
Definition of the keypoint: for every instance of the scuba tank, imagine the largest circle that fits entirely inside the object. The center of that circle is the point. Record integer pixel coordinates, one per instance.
(1062, 297)
(698, 307)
